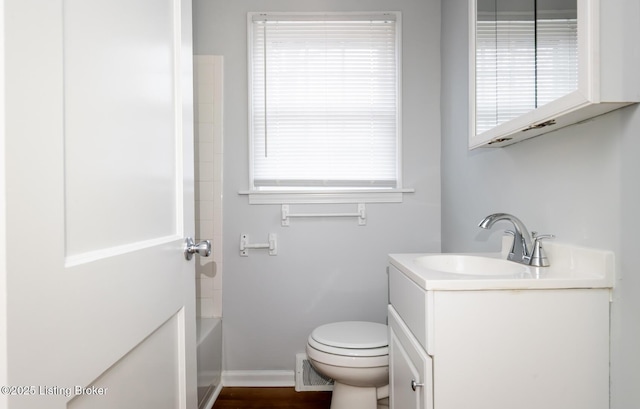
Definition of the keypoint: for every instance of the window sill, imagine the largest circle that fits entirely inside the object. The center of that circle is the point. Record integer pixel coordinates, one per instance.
(328, 196)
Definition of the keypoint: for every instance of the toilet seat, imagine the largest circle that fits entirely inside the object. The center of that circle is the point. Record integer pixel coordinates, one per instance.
(351, 338)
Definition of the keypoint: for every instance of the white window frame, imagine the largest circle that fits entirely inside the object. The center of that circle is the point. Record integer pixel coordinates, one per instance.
(314, 195)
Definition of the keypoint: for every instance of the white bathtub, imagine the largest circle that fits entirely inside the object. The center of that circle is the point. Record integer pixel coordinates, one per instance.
(209, 338)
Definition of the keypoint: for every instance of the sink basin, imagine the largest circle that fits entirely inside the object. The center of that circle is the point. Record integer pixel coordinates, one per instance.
(470, 265)
(571, 267)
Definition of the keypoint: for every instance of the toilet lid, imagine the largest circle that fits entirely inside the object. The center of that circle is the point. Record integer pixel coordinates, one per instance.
(352, 335)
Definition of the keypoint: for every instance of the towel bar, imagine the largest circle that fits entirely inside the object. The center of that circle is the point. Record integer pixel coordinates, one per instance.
(361, 214)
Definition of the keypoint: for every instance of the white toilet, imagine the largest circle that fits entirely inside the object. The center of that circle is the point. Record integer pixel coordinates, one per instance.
(355, 354)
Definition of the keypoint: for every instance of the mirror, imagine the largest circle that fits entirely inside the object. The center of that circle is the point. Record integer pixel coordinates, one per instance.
(526, 57)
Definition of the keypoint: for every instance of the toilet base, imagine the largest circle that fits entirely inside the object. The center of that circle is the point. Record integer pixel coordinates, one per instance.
(353, 397)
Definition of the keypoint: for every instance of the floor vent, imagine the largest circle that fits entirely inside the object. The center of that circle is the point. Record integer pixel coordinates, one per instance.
(308, 379)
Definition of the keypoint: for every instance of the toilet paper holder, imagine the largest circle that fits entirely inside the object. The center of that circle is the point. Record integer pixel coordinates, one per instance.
(272, 245)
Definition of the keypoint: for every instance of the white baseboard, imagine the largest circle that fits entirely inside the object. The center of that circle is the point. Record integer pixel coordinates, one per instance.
(259, 378)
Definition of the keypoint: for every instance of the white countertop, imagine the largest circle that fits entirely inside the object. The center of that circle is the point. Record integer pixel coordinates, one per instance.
(570, 267)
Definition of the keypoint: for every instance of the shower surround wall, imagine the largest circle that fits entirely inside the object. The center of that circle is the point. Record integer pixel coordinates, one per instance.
(327, 269)
(208, 181)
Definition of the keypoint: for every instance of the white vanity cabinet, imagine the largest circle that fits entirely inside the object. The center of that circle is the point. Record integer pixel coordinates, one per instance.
(496, 348)
(537, 66)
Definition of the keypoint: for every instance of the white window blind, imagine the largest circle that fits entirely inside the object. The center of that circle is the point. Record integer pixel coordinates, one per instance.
(520, 66)
(324, 110)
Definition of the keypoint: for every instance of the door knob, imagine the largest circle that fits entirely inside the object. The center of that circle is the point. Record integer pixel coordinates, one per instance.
(202, 248)
(415, 385)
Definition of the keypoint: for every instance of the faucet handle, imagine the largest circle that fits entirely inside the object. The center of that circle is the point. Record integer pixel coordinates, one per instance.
(538, 256)
(536, 236)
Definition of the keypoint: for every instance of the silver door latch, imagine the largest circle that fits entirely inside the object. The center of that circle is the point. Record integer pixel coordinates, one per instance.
(202, 248)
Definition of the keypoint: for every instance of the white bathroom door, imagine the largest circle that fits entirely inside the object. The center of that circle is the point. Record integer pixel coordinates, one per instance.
(98, 148)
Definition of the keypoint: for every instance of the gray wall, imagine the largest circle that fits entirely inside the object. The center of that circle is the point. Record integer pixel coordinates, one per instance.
(326, 269)
(580, 183)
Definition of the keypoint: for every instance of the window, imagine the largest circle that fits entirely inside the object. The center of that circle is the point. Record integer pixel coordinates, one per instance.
(324, 112)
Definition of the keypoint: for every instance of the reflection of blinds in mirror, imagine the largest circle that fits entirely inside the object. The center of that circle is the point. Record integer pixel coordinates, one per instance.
(505, 71)
(506, 67)
(557, 56)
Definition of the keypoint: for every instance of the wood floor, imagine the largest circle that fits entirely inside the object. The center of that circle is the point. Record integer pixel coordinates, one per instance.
(271, 398)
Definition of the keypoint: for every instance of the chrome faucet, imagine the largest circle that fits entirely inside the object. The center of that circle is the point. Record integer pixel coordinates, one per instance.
(523, 250)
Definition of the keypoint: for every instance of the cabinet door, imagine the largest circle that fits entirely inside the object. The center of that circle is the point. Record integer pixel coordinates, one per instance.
(403, 373)
(411, 381)
(537, 66)
(525, 56)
